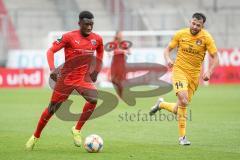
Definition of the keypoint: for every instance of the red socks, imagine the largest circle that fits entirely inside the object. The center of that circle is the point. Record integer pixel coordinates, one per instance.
(87, 112)
(42, 122)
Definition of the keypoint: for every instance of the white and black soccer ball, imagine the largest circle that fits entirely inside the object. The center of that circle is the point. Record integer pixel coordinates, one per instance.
(93, 143)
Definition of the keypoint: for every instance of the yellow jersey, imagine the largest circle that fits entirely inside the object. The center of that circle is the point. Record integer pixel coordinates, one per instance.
(191, 49)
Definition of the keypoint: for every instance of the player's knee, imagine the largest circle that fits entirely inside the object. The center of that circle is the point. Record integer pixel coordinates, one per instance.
(184, 101)
(92, 100)
(183, 98)
(175, 109)
(91, 96)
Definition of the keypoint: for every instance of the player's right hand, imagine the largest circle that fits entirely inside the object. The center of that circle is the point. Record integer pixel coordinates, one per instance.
(54, 75)
(170, 63)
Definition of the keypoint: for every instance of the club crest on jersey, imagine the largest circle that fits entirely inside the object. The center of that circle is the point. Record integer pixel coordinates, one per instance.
(94, 42)
(199, 42)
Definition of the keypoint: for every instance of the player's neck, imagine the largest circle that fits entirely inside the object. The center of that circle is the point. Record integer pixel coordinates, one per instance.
(195, 35)
(84, 35)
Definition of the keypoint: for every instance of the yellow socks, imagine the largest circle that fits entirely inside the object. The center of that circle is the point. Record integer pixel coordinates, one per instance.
(182, 118)
(181, 113)
(168, 106)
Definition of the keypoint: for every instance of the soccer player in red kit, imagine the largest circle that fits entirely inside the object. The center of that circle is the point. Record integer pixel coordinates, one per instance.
(79, 47)
(118, 65)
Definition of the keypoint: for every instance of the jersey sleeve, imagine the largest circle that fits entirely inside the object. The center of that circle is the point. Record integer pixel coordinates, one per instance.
(99, 54)
(210, 44)
(60, 43)
(175, 40)
(56, 46)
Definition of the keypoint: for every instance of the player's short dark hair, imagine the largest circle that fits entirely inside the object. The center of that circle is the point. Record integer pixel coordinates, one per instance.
(85, 14)
(199, 16)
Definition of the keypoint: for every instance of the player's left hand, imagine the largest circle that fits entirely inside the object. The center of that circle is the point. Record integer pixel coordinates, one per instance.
(94, 75)
(206, 76)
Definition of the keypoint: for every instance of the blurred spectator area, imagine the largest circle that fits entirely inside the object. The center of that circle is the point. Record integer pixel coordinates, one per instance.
(8, 36)
(33, 19)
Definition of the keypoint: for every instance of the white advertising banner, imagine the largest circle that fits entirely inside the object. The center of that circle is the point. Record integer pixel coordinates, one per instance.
(31, 59)
(23, 59)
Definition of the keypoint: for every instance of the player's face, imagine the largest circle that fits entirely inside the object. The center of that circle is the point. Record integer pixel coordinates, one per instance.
(119, 36)
(196, 26)
(86, 26)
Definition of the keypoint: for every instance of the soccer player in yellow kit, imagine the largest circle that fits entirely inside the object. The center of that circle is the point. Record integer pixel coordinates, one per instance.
(192, 44)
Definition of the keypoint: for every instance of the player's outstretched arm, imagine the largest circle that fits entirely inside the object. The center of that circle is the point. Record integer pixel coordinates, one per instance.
(214, 63)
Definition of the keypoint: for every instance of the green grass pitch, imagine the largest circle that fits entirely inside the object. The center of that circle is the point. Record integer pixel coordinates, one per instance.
(214, 128)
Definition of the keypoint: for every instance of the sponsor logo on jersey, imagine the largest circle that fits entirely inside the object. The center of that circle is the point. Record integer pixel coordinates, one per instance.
(184, 40)
(78, 42)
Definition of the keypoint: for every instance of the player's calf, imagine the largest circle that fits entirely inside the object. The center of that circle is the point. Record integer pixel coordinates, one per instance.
(54, 106)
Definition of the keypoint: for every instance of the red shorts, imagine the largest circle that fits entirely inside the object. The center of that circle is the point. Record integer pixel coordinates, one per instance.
(118, 72)
(65, 86)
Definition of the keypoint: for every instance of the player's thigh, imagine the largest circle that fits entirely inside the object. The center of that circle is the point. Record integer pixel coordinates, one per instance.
(192, 87)
(179, 80)
(180, 85)
(61, 92)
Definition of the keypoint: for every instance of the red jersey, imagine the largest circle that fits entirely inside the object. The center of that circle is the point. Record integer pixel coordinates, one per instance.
(118, 66)
(75, 44)
(79, 51)
(119, 57)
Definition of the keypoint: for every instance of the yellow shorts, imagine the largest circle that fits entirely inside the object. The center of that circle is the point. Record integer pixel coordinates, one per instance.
(182, 81)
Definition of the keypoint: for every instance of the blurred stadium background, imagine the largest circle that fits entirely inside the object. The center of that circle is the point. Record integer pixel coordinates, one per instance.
(27, 29)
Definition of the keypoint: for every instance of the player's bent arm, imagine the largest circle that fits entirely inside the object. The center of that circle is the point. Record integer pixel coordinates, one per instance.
(214, 62)
(212, 50)
(172, 44)
(56, 46)
(50, 54)
(167, 52)
(99, 57)
(50, 59)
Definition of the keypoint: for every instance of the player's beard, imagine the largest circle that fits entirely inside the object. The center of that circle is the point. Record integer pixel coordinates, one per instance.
(194, 32)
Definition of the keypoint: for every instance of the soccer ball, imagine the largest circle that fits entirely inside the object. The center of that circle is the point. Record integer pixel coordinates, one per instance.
(93, 143)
